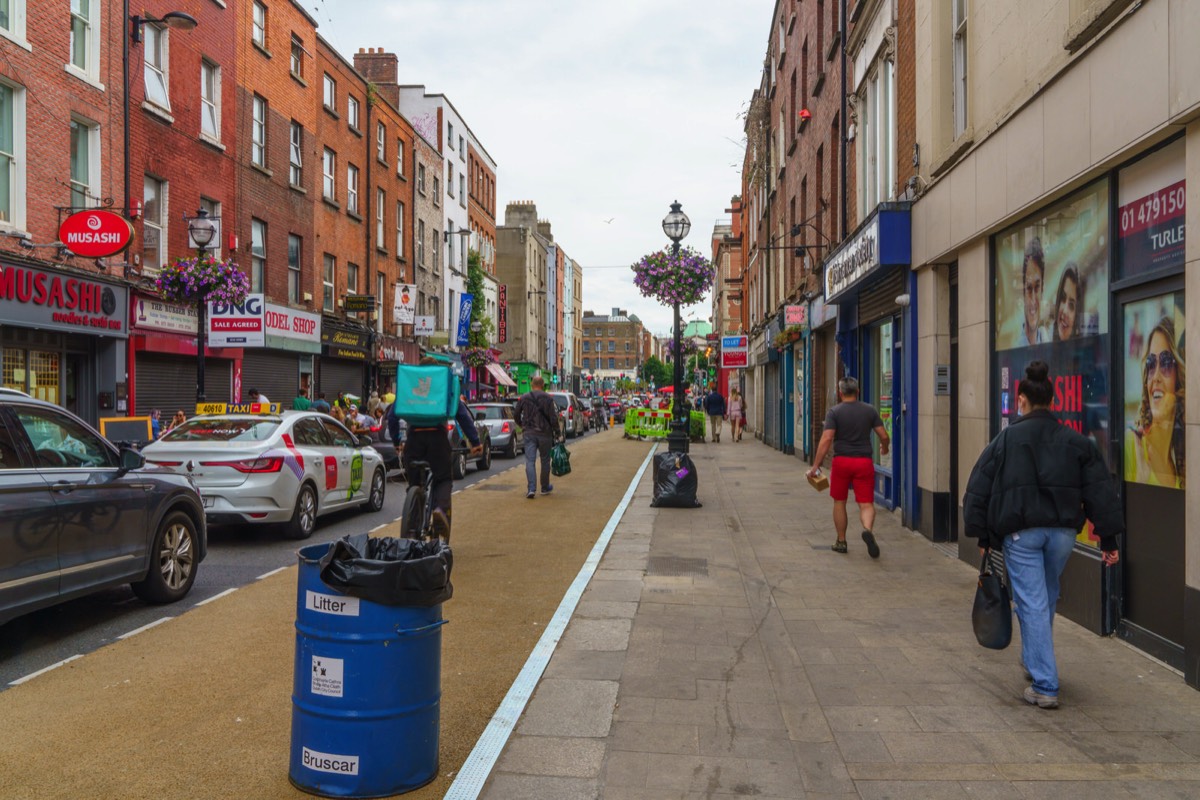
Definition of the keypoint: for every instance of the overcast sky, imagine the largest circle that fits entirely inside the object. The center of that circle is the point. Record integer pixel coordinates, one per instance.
(602, 113)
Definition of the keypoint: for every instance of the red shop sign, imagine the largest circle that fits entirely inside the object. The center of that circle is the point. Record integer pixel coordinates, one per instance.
(95, 233)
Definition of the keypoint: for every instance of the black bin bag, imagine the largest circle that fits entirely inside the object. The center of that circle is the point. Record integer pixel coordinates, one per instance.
(675, 481)
(390, 571)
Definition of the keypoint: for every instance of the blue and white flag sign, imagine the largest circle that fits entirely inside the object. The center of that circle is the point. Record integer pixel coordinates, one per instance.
(464, 319)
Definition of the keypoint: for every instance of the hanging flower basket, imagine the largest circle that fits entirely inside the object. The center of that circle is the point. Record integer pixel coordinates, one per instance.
(686, 347)
(478, 356)
(196, 280)
(684, 280)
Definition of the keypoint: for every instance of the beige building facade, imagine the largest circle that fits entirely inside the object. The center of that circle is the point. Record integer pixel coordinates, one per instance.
(1059, 167)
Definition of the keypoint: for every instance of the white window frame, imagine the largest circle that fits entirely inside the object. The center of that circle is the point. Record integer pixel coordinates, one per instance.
(351, 188)
(380, 216)
(421, 178)
(381, 142)
(352, 111)
(159, 225)
(210, 104)
(400, 157)
(295, 268)
(258, 25)
(351, 278)
(296, 154)
(329, 171)
(421, 242)
(15, 31)
(329, 92)
(462, 190)
(437, 191)
(450, 178)
(380, 291)
(296, 58)
(328, 271)
(258, 131)
(16, 160)
(91, 188)
(90, 70)
(876, 138)
(258, 253)
(399, 229)
(160, 71)
(961, 55)
(462, 148)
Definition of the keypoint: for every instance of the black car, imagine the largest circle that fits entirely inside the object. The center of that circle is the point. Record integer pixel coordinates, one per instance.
(77, 515)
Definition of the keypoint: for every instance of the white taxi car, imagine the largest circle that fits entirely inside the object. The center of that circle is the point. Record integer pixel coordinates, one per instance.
(285, 467)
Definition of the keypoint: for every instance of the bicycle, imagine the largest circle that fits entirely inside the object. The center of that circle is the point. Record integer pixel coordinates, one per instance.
(417, 514)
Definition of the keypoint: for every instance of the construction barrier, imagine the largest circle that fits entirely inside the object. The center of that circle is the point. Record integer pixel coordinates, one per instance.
(653, 423)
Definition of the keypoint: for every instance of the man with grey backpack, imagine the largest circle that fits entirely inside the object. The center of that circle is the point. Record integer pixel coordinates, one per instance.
(537, 414)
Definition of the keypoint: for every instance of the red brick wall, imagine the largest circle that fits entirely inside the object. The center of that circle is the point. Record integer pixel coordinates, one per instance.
(481, 210)
(396, 265)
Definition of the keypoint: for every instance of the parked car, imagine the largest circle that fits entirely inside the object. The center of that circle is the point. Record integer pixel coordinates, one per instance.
(570, 413)
(78, 515)
(287, 469)
(461, 449)
(500, 419)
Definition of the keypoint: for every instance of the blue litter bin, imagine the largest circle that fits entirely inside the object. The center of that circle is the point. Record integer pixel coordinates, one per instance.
(366, 697)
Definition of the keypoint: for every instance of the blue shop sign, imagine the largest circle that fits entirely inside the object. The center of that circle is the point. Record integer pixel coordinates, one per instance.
(884, 240)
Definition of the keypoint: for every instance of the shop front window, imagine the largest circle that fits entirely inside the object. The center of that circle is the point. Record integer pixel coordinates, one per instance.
(33, 371)
(881, 385)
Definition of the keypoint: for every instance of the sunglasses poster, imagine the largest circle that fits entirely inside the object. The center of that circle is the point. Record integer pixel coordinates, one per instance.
(1154, 391)
(1052, 273)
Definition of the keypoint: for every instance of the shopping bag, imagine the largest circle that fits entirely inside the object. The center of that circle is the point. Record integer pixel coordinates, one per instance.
(991, 616)
(560, 460)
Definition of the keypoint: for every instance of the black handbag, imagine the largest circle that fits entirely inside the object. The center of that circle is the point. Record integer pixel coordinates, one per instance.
(991, 617)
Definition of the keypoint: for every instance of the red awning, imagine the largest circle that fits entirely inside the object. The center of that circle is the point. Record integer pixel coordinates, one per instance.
(500, 375)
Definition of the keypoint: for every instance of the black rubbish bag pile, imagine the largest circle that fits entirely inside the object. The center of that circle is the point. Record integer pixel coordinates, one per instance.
(675, 481)
(390, 571)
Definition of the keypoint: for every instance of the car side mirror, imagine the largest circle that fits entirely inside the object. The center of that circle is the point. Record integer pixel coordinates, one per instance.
(364, 440)
(131, 459)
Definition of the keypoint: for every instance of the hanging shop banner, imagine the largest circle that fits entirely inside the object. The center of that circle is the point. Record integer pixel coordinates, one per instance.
(463, 337)
(1154, 391)
(1150, 197)
(62, 301)
(290, 329)
(424, 326)
(1051, 304)
(340, 342)
(404, 306)
(884, 240)
(154, 314)
(237, 324)
(95, 233)
(502, 314)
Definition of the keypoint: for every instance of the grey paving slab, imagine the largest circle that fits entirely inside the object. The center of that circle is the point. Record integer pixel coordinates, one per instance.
(557, 756)
(535, 787)
(597, 634)
(587, 664)
(564, 707)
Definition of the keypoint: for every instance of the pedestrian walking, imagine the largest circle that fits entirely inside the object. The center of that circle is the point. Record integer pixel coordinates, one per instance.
(373, 402)
(714, 406)
(538, 415)
(735, 414)
(848, 427)
(1029, 494)
(302, 403)
(321, 404)
(155, 424)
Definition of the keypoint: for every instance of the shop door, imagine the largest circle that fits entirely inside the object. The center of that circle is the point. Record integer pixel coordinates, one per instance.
(881, 368)
(1152, 464)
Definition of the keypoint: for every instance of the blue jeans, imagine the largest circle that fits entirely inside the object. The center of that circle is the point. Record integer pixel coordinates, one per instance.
(1034, 559)
(537, 444)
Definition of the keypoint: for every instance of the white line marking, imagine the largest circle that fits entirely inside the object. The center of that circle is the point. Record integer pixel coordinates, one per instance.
(44, 670)
(478, 766)
(136, 631)
(269, 574)
(378, 527)
(216, 597)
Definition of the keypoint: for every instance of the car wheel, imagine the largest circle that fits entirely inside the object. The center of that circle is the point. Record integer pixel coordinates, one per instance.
(485, 461)
(172, 561)
(511, 450)
(378, 486)
(459, 467)
(304, 517)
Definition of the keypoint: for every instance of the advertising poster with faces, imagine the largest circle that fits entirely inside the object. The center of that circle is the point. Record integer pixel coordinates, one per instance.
(1154, 391)
(1051, 303)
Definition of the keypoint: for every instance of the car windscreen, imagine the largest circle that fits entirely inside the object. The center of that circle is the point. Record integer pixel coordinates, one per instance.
(223, 429)
(489, 412)
(562, 401)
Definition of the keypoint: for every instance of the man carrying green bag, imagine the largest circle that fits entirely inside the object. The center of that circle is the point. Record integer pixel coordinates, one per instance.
(560, 460)
(538, 415)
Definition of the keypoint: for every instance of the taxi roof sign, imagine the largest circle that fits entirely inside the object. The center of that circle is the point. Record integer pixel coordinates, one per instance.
(239, 408)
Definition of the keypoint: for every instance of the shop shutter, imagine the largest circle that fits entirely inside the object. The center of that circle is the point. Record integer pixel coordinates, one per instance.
(340, 375)
(168, 383)
(879, 301)
(275, 374)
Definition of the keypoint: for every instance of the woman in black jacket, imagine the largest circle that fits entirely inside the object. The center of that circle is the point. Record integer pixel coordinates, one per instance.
(1030, 493)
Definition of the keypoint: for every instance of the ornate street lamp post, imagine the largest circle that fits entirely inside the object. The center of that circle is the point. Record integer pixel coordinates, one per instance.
(676, 226)
(202, 230)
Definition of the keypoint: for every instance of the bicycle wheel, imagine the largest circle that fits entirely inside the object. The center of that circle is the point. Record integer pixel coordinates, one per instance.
(412, 525)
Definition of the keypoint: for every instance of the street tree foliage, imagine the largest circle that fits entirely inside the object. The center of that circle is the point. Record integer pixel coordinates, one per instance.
(653, 369)
(484, 336)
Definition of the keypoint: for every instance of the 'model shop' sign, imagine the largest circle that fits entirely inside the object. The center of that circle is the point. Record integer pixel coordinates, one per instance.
(95, 234)
(61, 301)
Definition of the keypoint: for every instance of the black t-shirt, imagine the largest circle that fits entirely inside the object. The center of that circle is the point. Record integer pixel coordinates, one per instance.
(852, 424)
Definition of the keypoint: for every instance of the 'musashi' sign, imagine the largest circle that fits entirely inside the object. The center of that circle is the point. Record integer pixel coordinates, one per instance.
(95, 233)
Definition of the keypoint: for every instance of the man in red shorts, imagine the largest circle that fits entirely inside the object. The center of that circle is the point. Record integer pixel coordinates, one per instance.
(848, 427)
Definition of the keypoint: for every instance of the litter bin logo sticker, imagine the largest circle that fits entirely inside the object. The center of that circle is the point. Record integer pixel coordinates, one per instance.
(328, 762)
(340, 605)
(356, 471)
(327, 676)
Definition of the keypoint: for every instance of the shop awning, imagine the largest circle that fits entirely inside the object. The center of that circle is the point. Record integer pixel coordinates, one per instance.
(500, 375)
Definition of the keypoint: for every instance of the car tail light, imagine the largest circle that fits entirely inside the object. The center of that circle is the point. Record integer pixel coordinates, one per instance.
(506, 428)
(165, 463)
(264, 464)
